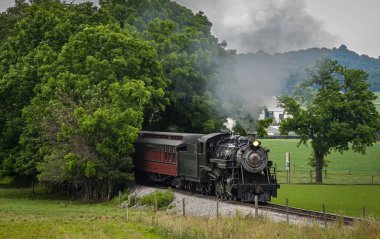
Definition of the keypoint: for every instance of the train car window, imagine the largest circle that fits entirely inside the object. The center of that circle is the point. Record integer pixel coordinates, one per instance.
(182, 148)
(218, 151)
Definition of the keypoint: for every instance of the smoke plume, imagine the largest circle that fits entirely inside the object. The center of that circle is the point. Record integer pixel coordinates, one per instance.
(263, 25)
(230, 124)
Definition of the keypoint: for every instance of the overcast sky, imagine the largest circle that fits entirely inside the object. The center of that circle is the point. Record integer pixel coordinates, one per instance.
(284, 25)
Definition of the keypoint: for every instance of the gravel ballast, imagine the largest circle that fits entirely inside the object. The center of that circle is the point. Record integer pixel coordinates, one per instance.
(197, 205)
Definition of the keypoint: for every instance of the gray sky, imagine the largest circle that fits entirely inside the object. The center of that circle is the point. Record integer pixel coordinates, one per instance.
(284, 25)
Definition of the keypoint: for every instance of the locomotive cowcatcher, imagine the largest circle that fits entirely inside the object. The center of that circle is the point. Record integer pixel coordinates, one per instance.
(222, 164)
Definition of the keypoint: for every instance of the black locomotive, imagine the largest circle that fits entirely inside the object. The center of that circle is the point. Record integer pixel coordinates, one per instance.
(226, 165)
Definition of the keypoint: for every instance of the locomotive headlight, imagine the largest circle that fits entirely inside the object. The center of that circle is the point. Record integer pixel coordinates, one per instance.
(256, 143)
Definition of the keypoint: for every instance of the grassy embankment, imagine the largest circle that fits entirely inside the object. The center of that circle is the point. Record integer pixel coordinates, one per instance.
(24, 215)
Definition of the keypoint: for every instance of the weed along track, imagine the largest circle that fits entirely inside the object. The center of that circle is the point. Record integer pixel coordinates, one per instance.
(190, 203)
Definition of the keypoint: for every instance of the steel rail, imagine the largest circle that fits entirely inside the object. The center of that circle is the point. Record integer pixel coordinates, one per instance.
(320, 216)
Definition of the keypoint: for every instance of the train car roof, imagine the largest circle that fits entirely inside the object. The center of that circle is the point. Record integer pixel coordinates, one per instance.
(206, 137)
(167, 138)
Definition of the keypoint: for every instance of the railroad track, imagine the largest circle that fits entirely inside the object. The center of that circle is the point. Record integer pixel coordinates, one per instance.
(291, 211)
(326, 217)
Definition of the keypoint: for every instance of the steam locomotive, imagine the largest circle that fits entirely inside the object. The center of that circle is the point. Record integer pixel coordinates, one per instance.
(229, 166)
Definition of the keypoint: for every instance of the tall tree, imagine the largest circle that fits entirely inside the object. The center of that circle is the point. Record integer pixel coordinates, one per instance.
(26, 54)
(91, 108)
(190, 57)
(341, 116)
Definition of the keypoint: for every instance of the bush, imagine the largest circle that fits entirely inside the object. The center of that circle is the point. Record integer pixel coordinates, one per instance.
(164, 198)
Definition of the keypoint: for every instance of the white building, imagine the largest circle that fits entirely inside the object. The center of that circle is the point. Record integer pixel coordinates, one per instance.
(273, 110)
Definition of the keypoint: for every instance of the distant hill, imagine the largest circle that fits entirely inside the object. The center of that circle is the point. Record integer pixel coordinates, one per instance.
(294, 63)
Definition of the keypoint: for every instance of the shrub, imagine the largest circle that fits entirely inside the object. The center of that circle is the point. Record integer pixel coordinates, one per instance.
(164, 198)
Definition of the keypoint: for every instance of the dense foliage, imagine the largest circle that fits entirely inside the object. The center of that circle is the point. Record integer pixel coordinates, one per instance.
(78, 82)
(342, 114)
(190, 57)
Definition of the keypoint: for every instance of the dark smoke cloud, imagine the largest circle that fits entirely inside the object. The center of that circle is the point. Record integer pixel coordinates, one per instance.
(267, 25)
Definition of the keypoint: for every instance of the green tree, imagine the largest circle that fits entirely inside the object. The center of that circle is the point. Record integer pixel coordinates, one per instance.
(190, 57)
(341, 116)
(10, 17)
(26, 56)
(261, 127)
(91, 108)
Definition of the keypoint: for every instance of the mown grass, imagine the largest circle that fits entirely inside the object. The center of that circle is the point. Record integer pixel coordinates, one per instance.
(340, 199)
(349, 167)
(24, 215)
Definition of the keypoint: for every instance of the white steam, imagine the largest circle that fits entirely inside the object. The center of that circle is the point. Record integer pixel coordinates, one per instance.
(230, 124)
(268, 25)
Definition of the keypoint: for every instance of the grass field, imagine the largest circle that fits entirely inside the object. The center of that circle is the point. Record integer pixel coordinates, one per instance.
(341, 199)
(346, 168)
(24, 215)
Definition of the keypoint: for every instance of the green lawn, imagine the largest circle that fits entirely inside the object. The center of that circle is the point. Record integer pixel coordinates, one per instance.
(341, 199)
(349, 167)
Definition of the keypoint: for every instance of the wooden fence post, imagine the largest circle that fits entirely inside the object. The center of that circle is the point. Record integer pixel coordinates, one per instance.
(183, 207)
(155, 201)
(363, 212)
(287, 211)
(127, 208)
(311, 176)
(256, 206)
(324, 215)
(217, 208)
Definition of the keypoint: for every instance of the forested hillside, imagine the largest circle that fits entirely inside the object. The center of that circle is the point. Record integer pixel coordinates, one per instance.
(293, 64)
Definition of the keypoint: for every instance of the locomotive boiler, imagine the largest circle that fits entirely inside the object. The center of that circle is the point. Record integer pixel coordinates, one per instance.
(221, 164)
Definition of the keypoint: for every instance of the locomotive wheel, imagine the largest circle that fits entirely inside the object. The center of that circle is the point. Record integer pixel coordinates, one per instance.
(208, 188)
(219, 189)
(199, 188)
(177, 183)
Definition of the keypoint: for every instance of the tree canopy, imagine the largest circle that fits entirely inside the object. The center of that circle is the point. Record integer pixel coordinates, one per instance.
(78, 82)
(342, 114)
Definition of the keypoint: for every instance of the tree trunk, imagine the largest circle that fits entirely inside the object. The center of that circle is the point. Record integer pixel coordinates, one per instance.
(318, 157)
